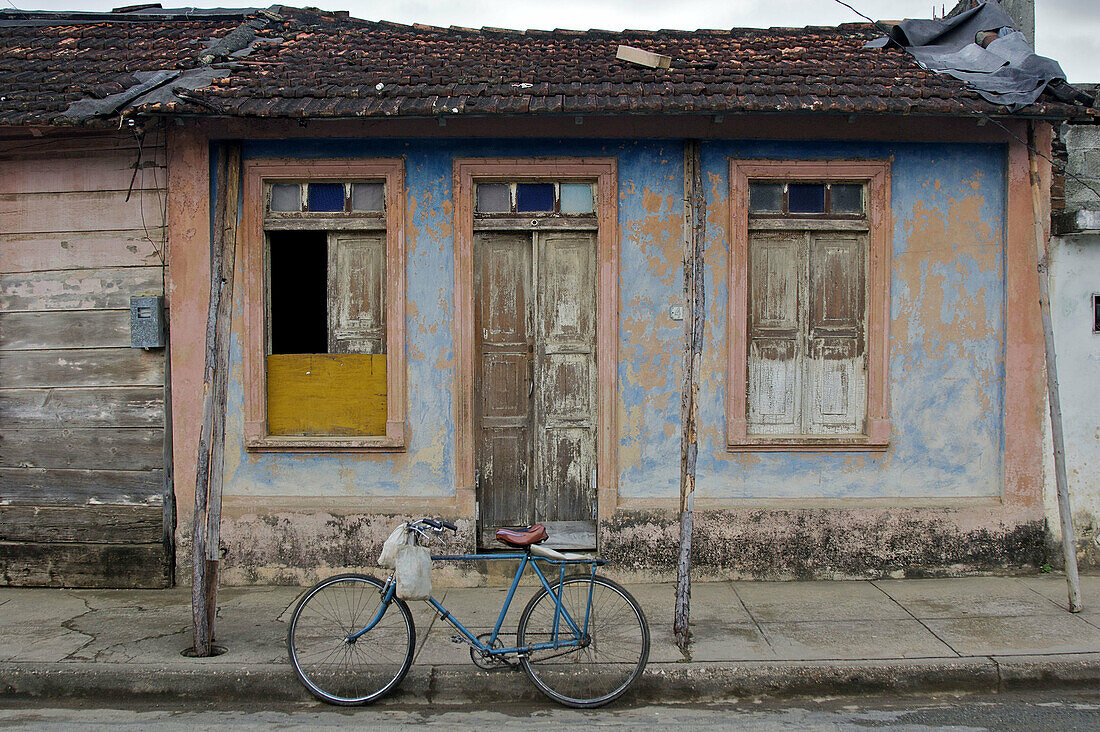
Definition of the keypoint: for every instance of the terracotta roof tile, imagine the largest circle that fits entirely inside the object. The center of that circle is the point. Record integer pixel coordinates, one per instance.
(319, 64)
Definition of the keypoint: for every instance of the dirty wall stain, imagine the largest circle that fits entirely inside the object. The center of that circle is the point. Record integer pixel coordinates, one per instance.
(777, 544)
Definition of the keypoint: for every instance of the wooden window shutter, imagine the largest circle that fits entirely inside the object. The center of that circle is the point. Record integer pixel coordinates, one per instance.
(836, 354)
(774, 367)
(356, 293)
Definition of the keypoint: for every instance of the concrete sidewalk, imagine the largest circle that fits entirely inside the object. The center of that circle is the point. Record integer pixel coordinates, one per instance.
(750, 638)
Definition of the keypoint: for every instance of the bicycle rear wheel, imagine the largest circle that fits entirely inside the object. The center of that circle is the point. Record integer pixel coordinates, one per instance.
(612, 656)
(342, 672)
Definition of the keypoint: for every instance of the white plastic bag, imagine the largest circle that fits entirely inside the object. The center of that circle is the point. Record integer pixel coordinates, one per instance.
(414, 572)
(399, 538)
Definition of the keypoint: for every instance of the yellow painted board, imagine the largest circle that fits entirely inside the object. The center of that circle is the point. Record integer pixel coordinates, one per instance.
(326, 394)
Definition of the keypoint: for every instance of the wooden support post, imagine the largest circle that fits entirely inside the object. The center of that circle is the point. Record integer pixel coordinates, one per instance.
(694, 313)
(1065, 513)
(208, 473)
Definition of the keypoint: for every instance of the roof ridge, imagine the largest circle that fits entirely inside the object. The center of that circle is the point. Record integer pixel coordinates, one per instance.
(302, 62)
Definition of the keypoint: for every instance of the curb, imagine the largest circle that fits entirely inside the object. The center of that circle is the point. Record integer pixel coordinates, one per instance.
(456, 685)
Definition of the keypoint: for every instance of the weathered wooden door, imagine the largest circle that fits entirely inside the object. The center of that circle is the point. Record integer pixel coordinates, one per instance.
(535, 385)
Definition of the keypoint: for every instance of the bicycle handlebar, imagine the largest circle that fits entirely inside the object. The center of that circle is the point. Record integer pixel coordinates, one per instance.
(439, 524)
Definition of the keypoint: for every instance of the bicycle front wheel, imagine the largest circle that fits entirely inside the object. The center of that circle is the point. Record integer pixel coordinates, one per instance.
(611, 655)
(345, 672)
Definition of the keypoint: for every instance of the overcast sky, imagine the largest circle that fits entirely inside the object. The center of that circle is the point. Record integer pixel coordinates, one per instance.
(1066, 30)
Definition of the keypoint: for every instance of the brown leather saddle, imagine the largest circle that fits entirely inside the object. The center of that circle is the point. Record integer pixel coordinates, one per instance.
(533, 534)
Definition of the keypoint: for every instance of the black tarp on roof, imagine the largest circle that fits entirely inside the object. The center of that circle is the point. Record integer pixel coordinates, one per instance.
(982, 47)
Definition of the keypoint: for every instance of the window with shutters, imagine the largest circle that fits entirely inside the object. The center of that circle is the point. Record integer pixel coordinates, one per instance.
(809, 301)
(324, 270)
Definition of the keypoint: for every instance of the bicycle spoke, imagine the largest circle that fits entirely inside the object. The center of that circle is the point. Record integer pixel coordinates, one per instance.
(612, 654)
(342, 671)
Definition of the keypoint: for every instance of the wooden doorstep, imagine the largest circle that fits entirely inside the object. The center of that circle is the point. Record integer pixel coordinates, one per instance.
(563, 535)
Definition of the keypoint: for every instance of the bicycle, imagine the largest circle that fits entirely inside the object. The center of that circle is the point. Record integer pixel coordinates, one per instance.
(582, 640)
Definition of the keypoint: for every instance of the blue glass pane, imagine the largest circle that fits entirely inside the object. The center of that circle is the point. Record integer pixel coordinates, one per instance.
(576, 198)
(806, 198)
(534, 197)
(326, 196)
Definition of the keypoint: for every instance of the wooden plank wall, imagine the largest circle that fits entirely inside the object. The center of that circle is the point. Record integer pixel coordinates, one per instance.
(81, 412)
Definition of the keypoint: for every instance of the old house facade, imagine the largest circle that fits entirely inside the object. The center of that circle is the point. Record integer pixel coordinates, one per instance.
(458, 292)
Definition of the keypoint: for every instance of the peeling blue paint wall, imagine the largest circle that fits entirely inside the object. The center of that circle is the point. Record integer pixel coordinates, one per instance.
(947, 331)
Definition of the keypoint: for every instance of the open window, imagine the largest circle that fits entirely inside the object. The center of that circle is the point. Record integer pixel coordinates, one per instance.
(325, 271)
(809, 297)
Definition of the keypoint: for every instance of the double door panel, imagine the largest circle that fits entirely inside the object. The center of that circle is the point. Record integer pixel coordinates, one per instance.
(535, 386)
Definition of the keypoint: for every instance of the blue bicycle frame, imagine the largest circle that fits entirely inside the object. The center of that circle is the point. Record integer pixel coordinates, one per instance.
(574, 636)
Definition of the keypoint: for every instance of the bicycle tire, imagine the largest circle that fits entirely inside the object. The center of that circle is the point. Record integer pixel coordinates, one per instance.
(343, 673)
(604, 669)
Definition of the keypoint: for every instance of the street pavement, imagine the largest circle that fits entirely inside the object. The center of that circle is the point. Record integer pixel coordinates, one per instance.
(1051, 709)
(750, 639)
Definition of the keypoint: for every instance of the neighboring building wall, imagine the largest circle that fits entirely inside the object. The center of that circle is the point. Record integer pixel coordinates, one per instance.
(1075, 282)
(82, 482)
(957, 491)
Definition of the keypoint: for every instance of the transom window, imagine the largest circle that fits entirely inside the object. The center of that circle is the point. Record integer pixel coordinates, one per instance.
(291, 199)
(799, 198)
(538, 198)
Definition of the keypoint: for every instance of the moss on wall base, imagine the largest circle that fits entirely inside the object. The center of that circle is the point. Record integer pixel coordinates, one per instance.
(823, 544)
(300, 548)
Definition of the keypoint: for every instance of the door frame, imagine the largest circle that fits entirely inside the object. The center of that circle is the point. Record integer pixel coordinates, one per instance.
(467, 172)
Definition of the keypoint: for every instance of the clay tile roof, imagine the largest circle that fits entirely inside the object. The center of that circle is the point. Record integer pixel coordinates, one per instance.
(305, 62)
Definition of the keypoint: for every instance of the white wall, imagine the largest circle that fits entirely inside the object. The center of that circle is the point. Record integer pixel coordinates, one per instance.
(1075, 278)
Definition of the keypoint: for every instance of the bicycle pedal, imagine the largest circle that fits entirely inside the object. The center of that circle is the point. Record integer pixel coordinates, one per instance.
(458, 639)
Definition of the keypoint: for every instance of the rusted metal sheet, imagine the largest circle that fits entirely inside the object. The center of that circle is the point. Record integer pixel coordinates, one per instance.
(807, 322)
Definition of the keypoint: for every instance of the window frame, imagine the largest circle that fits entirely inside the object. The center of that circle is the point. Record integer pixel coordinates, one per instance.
(254, 336)
(875, 174)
